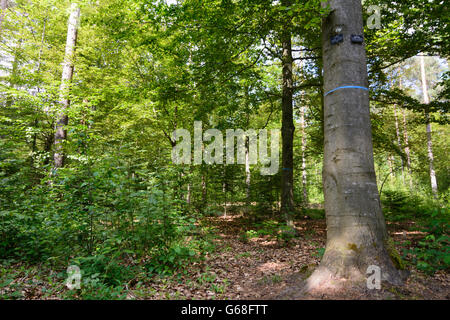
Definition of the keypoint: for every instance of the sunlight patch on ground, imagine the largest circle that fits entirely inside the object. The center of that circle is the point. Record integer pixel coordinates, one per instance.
(272, 266)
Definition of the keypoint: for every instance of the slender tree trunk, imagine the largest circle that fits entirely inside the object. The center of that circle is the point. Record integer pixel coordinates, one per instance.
(224, 190)
(405, 137)
(247, 174)
(36, 121)
(62, 120)
(188, 198)
(287, 127)
(303, 131)
(407, 151)
(356, 229)
(397, 133)
(204, 191)
(426, 100)
(304, 173)
(390, 163)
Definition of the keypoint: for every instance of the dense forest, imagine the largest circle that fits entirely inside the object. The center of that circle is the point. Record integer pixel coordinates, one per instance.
(224, 149)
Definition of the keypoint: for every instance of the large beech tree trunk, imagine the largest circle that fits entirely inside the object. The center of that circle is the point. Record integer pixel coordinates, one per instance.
(356, 229)
(287, 126)
(62, 119)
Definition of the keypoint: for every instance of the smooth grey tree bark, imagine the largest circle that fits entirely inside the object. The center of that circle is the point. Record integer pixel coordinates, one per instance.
(356, 229)
(67, 74)
(426, 100)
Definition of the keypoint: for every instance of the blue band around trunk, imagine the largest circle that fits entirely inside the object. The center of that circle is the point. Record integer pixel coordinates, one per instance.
(346, 87)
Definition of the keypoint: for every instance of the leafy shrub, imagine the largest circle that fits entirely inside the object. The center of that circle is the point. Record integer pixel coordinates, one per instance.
(432, 254)
(247, 235)
(101, 214)
(399, 205)
(271, 228)
(315, 214)
(173, 259)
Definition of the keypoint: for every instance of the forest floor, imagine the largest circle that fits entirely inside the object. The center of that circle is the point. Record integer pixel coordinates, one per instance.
(263, 268)
(259, 267)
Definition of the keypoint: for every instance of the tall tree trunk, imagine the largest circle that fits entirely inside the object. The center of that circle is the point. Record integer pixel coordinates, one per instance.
(188, 198)
(287, 127)
(407, 151)
(62, 120)
(247, 175)
(204, 191)
(247, 156)
(390, 161)
(426, 100)
(224, 190)
(303, 132)
(397, 133)
(304, 173)
(356, 229)
(38, 90)
(405, 137)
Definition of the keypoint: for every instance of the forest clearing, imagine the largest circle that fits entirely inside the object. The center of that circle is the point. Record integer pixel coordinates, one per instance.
(224, 150)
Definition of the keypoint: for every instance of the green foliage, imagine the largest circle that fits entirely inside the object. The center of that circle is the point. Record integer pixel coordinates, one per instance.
(315, 214)
(173, 259)
(104, 216)
(399, 205)
(319, 253)
(431, 254)
(119, 208)
(249, 234)
(272, 229)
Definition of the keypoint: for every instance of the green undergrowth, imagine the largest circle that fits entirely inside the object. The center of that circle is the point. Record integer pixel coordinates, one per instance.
(431, 217)
(271, 229)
